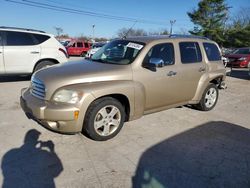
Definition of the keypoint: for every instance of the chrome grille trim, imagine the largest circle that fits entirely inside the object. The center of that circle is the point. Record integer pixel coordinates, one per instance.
(37, 88)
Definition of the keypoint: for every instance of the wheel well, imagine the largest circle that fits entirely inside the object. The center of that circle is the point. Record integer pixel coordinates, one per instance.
(47, 59)
(124, 101)
(216, 81)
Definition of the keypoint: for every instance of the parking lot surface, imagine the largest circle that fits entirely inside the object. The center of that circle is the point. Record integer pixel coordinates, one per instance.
(180, 147)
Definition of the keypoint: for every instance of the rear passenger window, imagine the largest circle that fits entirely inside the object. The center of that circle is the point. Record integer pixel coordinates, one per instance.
(19, 39)
(212, 51)
(86, 44)
(79, 45)
(162, 51)
(190, 52)
(40, 38)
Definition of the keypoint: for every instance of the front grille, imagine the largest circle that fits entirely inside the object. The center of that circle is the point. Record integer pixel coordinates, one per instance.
(37, 88)
(231, 60)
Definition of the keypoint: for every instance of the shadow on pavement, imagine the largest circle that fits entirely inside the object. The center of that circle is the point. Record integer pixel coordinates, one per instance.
(241, 74)
(14, 78)
(216, 154)
(34, 164)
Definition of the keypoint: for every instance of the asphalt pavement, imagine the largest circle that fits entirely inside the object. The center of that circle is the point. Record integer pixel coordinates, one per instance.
(180, 147)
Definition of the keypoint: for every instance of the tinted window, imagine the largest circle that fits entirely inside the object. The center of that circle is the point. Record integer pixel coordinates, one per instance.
(74, 45)
(86, 44)
(1, 39)
(161, 51)
(19, 39)
(79, 45)
(190, 52)
(40, 38)
(212, 51)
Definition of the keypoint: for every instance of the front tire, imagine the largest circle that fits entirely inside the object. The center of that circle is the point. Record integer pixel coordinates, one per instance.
(209, 98)
(104, 119)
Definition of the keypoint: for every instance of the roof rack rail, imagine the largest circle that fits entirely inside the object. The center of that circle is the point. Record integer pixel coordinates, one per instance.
(188, 36)
(24, 29)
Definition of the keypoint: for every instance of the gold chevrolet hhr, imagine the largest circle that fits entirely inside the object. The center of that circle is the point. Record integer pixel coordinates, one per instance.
(124, 80)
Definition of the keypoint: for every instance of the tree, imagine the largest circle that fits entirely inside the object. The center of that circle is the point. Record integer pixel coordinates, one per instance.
(210, 19)
(131, 32)
(238, 32)
(59, 31)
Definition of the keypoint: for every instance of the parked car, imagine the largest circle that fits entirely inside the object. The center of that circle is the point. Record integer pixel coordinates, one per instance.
(94, 48)
(239, 58)
(24, 51)
(126, 79)
(78, 48)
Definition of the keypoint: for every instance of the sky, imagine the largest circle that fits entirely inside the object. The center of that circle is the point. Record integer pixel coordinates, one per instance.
(108, 16)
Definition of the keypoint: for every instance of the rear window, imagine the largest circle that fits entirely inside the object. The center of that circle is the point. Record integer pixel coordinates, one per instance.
(19, 39)
(40, 38)
(190, 52)
(212, 51)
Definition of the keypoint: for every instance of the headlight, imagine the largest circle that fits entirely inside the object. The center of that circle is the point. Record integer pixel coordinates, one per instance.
(242, 59)
(67, 96)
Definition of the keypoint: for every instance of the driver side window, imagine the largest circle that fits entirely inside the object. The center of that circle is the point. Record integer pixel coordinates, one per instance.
(163, 51)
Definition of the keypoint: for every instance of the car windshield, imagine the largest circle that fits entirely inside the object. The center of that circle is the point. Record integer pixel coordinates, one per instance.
(121, 52)
(242, 51)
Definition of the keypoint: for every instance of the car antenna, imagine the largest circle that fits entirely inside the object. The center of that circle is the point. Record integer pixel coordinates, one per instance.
(125, 36)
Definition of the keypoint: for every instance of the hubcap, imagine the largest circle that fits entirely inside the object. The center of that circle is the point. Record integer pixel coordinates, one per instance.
(210, 97)
(107, 120)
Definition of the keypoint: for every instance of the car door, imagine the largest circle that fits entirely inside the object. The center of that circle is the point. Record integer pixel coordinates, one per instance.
(2, 69)
(79, 48)
(192, 68)
(20, 52)
(162, 86)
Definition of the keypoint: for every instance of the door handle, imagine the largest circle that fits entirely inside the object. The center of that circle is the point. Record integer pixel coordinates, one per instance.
(171, 73)
(34, 52)
(202, 69)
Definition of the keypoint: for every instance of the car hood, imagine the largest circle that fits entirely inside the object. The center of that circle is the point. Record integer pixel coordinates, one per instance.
(236, 55)
(84, 71)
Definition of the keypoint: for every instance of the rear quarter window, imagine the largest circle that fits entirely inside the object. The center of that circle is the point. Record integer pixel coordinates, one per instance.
(212, 51)
(190, 52)
(41, 38)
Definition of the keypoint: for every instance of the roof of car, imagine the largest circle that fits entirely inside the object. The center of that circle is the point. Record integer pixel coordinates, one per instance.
(21, 29)
(147, 39)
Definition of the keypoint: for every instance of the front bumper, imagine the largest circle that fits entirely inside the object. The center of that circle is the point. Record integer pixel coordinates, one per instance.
(54, 116)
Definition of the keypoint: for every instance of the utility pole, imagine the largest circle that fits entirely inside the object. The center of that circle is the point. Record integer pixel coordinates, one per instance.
(93, 37)
(172, 22)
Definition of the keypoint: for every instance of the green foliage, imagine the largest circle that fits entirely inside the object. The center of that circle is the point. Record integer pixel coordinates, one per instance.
(210, 18)
(237, 36)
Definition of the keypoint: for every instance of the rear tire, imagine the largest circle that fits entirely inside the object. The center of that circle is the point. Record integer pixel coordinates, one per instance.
(43, 64)
(209, 98)
(104, 119)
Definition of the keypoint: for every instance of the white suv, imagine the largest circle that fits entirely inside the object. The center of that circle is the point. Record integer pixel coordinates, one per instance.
(24, 51)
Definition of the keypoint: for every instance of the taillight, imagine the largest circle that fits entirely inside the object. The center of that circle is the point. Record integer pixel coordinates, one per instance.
(64, 52)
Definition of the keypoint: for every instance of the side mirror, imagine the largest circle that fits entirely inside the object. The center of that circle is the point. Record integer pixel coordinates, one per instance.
(157, 62)
(153, 64)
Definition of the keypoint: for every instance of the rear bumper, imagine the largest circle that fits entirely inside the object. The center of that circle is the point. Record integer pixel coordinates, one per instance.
(56, 117)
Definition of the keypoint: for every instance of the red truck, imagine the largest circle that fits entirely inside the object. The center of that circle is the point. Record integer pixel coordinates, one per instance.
(78, 48)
